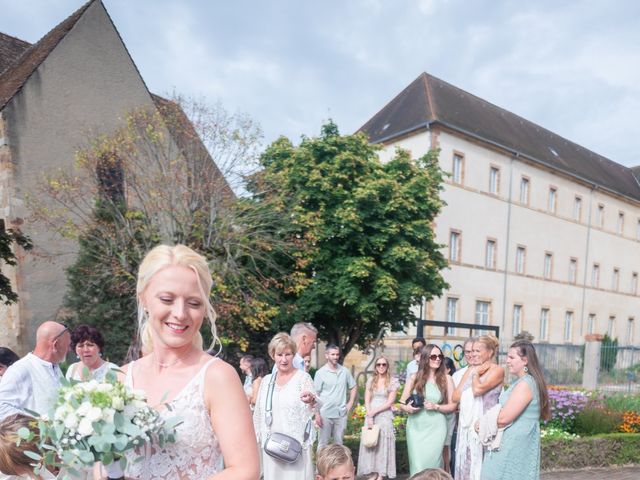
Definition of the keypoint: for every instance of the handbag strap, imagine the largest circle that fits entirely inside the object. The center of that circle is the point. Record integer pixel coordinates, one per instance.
(269, 409)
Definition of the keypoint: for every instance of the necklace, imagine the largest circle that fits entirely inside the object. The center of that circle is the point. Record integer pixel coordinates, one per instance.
(170, 364)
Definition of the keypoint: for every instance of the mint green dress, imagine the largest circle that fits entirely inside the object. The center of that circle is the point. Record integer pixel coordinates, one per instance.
(426, 433)
(519, 454)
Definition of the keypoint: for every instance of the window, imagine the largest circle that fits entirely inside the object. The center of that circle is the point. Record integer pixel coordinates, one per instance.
(615, 279)
(548, 265)
(630, 328)
(591, 323)
(490, 255)
(517, 319)
(573, 270)
(494, 180)
(577, 209)
(552, 201)
(544, 324)
(568, 323)
(458, 165)
(638, 230)
(482, 312)
(620, 224)
(600, 215)
(611, 326)
(595, 275)
(520, 259)
(634, 283)
(110, 175)
(454, 246)
(452, 314)
(524, 190)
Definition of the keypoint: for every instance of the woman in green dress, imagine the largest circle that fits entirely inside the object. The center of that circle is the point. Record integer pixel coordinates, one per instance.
(524, 404)
(427, 424)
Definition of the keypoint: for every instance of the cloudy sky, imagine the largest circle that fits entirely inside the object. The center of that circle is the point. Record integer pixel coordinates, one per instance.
(570, 66)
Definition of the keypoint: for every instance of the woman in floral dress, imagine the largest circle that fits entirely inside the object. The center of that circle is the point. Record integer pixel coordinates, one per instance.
(379, 396)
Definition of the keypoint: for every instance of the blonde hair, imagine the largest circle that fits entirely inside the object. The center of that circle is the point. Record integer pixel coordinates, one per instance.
(490, 342)
(376, 375)
(333, 456)
(279, 342)
(13, 460)
(164, 256)
(432, 474)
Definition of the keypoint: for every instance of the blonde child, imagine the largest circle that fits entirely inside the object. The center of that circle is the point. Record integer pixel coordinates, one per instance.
(334, 462)
(432, 474)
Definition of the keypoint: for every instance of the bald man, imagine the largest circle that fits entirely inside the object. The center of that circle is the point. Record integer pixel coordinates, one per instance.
(31, 382)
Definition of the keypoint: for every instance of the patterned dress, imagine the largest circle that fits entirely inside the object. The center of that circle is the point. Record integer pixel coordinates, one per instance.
(519, 454)
(382, 458)
(196, 454)
(290, 416)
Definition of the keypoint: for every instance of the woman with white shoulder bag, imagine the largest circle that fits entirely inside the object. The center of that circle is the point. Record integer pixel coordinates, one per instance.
(282, 416)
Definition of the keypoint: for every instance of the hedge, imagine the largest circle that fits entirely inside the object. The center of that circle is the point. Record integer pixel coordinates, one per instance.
(595, 451)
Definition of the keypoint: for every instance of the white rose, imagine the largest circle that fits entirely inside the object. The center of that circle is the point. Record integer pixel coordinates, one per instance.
(117, 403)
(71, 421)
(84, 409)
(107, 415)
(139, 394)
(105, 387)
(61, 412)
(129, 411)
(139, 404)
(94, 414)
(85, 428)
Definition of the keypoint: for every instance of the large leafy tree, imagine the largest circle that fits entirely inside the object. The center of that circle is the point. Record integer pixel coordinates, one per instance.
(8, 239)
(368, 249)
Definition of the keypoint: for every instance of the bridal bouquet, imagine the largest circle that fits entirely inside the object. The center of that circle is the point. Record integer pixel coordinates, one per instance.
(97, 421)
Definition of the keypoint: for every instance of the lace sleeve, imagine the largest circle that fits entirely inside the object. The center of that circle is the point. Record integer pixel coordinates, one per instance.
(308, 386)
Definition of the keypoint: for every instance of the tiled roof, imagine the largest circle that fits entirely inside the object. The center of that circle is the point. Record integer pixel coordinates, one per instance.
(12, 79)
(431, 101)
(10, 50)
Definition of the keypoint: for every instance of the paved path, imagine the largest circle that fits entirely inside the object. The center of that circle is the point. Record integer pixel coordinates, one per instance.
(614, 473)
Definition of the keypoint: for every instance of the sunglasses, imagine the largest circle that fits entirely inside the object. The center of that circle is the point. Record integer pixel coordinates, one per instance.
(435, 357)
(381, 365)
(64, 330)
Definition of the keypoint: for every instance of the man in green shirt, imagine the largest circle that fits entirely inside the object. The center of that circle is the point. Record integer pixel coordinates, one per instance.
(333, 382)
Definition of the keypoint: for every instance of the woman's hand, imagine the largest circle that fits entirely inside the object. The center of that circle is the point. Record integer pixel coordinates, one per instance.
(482, 369)
(476, 426)
(369, 421)
(410, 409)
(308, 398)
(431, 406)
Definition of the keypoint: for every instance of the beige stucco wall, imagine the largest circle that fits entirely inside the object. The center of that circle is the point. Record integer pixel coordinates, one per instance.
(86, 84)
(479, 215)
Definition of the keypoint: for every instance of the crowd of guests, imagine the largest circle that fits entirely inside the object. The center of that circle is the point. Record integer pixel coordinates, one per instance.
(454, 417)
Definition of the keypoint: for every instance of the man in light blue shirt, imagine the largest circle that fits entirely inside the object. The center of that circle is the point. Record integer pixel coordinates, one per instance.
(333, 382)
(417, 344)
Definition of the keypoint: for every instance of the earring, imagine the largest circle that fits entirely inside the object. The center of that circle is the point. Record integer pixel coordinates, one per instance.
(100, 354)
(526, 370)
(78, 357)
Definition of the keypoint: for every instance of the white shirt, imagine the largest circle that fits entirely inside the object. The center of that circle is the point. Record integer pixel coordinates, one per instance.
(412, 367)
(30, 383)
(457, 376)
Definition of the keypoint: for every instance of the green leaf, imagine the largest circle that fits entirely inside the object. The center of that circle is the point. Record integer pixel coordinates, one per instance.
(32, 455)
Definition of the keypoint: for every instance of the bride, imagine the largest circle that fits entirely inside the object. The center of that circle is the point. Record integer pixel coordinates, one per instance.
(216, 439)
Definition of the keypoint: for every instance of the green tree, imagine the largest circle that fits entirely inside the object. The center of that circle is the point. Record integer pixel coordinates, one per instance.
(9, 238)
(367, 247)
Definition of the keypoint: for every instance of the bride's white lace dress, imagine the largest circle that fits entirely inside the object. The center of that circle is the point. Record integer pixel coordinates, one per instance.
(196, 453)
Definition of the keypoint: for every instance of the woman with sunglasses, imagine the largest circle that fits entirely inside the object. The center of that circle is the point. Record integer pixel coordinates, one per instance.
(379, 397)
(427, 397)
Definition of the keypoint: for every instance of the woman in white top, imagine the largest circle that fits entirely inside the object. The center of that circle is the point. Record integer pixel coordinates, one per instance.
(88, 343)
(291, 398)
(216, 439)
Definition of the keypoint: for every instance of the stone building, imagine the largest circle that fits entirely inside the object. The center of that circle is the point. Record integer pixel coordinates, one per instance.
(541, 234)
(78, 78)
